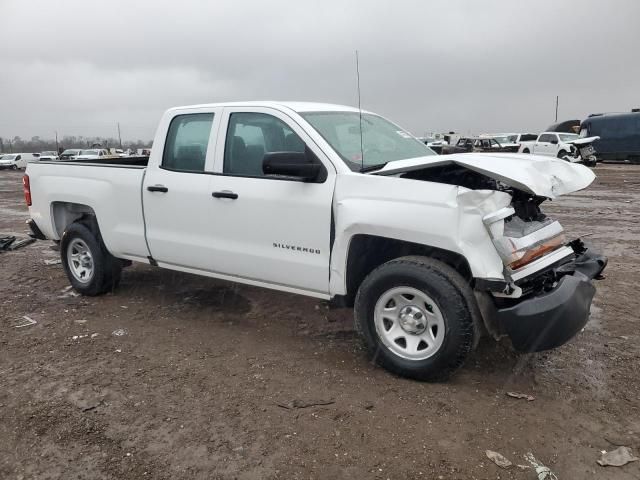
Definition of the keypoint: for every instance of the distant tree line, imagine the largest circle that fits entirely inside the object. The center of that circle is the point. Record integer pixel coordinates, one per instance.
(37, 144)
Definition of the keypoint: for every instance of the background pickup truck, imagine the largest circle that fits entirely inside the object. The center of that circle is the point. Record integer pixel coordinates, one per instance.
(551, 144)
(319, 200)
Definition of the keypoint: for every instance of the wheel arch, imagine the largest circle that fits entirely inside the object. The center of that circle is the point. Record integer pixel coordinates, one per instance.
(367, 252)
(64, 214)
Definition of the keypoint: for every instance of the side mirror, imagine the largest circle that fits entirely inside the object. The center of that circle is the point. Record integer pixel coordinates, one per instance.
(554, 142)
(302, 166)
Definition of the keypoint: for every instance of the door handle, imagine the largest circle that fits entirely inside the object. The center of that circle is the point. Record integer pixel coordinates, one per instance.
(225, 194)
(157, 188)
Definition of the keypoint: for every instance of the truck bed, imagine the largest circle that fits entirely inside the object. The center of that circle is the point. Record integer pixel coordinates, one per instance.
(109, 189)
(139, 162)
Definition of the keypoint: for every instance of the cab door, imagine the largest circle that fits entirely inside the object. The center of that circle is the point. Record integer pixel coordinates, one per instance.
(176, 193)
(544, 145)
(265, 228)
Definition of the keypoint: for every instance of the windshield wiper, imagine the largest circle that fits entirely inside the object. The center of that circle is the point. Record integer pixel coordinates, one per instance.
(371, 168)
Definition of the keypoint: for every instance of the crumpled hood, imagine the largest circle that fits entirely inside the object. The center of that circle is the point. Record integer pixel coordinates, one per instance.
(543, 176)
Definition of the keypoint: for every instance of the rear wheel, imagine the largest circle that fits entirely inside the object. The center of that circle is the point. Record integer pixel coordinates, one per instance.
(526, 150)
(416, 318)
(91, 269)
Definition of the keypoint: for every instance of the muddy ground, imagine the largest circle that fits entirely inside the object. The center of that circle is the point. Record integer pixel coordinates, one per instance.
(197, 383)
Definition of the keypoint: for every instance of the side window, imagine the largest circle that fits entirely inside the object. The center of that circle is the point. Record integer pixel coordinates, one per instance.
(250, 136)
(546, 138)
(186, 146)
(19, 157)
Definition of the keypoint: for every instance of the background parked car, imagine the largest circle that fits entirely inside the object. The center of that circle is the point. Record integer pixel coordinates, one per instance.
(476, 144)
(551, 144)
(433, 143)
(93, 154)
(17, 160)
(619, 135)
(511, 141)
(49, 155)
(69, 154)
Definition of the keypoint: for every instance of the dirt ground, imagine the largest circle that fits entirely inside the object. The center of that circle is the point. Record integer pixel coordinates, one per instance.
(207, 379)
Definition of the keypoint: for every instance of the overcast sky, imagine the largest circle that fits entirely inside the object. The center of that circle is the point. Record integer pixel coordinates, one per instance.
(79, 67)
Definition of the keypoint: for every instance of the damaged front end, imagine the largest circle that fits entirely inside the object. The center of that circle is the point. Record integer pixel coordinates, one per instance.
(545, 294)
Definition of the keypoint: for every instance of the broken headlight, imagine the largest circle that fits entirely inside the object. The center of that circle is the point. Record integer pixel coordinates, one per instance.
(518, 242)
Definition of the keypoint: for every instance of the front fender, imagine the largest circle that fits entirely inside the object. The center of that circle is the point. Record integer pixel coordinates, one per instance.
(443, 216)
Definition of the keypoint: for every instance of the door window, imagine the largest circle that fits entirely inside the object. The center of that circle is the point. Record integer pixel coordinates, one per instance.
(187, 141)
(250, 136)
(546, 138)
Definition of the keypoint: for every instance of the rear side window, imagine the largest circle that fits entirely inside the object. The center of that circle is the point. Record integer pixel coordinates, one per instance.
(250, 136)
(187, 141)
(527, 137)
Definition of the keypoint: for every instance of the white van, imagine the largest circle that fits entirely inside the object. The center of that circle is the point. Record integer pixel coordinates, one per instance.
(17, 160)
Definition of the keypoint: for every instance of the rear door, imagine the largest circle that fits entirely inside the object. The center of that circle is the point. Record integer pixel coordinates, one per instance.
(544, 146)
(267, 229)
(176, 193)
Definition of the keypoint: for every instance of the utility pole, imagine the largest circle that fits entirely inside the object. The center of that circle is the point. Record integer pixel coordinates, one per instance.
(557, 107)
(57, 147)
(119, 137)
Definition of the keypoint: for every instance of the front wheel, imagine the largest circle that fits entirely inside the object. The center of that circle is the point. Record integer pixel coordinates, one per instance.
(14, 167)
(526, 150)
(416, 318)
(91, 269)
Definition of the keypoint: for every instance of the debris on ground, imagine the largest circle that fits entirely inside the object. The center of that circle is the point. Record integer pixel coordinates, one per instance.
(497, 458)
(88, 408)
(621, 440)
(8, 243)
(296, 403)
(53, 261)
(68, 292)
(617, 458)
(120, 332)
(25, 322)
(543, 472)
(529, 398)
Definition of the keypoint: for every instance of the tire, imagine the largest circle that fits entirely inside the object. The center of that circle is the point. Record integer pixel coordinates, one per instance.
(14, 167)
(83, 251)
(526, 150)
(441, 295)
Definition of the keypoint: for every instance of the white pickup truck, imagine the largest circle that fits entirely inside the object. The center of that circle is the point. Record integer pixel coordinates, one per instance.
(319, 200)
(551, 144)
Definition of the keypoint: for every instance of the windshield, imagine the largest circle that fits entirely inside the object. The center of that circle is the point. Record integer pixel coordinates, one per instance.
(48, 153)
(567, 137)
(89, 152)
(382, 141)
(7, 157)
(71, 152)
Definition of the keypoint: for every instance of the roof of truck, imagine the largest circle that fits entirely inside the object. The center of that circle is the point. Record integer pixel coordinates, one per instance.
(295, 106)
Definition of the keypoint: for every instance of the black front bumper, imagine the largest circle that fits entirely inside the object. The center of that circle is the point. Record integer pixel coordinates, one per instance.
(552, 318)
